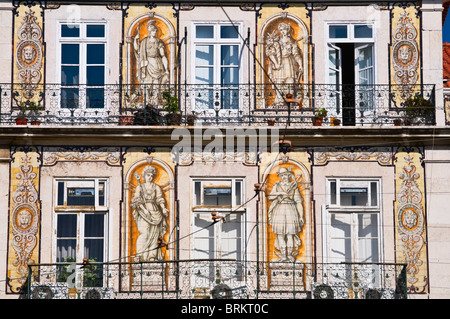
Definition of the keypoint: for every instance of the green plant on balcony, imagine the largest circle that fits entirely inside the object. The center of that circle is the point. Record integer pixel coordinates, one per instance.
(319, 116)
(419, 110)
(173, 115)
(29, 109)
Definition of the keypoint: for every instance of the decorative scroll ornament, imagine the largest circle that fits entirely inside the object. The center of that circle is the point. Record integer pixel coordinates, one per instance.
(110, 155)
(29, 52)
(187, 158)
(410, 219)
(405, 53)
(24, 217)
(383, 158)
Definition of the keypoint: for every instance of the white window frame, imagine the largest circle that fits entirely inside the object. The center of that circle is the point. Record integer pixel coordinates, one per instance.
(353, 211)
(225, 212)
(359, 43)
(83, 40)
(81, 212)
(216, 42)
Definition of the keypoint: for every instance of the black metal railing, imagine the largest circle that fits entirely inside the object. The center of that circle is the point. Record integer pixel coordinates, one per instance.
(246, 104)
(217, 279)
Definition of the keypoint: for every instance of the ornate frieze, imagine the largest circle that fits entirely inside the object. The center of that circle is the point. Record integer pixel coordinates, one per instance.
(382, 156)
(405, 53)
(187, 158)
(410, 221)
(29, 53)
(24, 219)
(53, 155)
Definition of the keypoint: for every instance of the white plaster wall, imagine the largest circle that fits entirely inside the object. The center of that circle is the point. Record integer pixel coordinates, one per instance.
(212, 170)
(437, 181)
(6, 52)
(432, 52)
(357, 170)
(79, 13)
(79, 170)
(351, 14)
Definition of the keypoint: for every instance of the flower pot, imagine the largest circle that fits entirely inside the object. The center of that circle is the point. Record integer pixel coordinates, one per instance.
(317, 121)
(190, 119)
(35, 122)
(173, 119)
(271, 122)
(21, 120)
(335, 121)
(397, 122)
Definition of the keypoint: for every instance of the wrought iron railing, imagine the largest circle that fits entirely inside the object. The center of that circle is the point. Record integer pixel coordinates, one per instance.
(244, 104)
(217, 279)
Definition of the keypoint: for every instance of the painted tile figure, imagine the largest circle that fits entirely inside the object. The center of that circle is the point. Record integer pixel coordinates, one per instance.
(286, 215)
(150, 215)
(153, 65)
(285, 62)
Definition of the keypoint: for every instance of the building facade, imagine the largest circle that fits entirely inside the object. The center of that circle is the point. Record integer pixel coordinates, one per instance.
(171, 150)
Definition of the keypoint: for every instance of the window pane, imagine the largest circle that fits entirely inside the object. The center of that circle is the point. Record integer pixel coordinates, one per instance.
(338, 31)
(70, 53)
(374, 194)
(238, 191)
(93, 249)
(95, 75)
(204, 76)
(70, 75)
(95, 31)
(204, 55)
(333, 192)
(340, 225)
(60, 193)
(69, 97)
(70, 30)
(101, 193)
(80, 196)
(229, 32)
(66, 250)
(95, 54)
(363, 31)
(230, 76)
(94, 225)
(365, 58)
(67, 225)
(198, 193)
(204, 32)
(230, 55)
(217, 196)
(353, 196)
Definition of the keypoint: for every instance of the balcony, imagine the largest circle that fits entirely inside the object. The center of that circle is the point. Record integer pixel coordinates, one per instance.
(239, 105)
(216, 279)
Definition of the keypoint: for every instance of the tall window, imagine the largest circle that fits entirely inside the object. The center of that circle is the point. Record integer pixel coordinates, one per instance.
(223, 239)
(351, 69)
(353, 221)
(83, 65)
(81, 222)
(217, 65)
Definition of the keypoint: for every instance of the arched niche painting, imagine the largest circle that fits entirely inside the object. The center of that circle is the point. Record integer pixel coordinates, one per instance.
(287, 212)
(284, 51)
(150, 60)
(149, 211)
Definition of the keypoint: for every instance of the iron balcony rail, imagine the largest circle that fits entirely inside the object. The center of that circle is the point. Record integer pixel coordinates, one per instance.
(240, 104)
(216, 279)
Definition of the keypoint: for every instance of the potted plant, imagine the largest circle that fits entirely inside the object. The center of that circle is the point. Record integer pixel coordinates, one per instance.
(270, 122)
(190, 119)
(173, 115)
(29, 109)
(419, 110)
(319, 116)
(335, 121)
(147, 116)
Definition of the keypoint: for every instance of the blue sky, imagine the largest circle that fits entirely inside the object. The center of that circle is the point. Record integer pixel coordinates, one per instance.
(446, 29)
